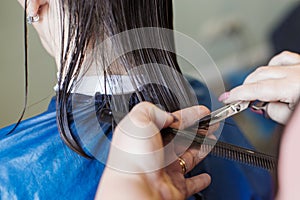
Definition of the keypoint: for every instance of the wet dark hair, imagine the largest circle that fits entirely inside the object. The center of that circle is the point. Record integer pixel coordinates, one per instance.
(91, 22)
(25, 71)
(84, 25)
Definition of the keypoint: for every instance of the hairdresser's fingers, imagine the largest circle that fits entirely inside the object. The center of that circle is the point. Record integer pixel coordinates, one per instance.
(197, 183)
(267, 90)
(285, 58)
(208, 131)
(278, 68)
(145, 112)
(192, 153)
(169, 191)
(184, 185)
(138, 131)
(265, 73)
(212, 129)
(193, 157)
(188, 116)
(279, 112)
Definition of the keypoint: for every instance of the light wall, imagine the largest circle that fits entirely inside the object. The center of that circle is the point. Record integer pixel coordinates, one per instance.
(41, 67)
(235, 33)
(205, 21)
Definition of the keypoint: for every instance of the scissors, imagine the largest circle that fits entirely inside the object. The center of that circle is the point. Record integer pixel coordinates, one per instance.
(230, 110)
(208, 120)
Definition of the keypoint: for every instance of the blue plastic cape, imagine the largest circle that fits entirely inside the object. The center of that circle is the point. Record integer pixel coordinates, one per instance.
(36, 164)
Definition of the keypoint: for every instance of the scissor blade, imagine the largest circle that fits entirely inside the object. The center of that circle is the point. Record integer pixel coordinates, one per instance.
(223, 113)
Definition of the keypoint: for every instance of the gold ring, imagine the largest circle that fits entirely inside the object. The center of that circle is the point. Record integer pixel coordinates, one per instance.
(182, 164)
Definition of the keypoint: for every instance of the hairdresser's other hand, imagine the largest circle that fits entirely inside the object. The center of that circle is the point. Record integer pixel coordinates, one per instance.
(146, 176)
(278, 83)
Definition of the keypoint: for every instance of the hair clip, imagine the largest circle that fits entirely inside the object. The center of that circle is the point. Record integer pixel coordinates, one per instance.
(32, 19)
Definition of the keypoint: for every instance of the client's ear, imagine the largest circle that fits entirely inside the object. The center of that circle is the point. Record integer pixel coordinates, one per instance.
(44, 24)
(33, 6)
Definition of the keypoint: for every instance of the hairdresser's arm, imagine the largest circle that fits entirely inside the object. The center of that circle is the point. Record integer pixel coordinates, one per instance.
(278, 83)
(146, 177)
(289, 161)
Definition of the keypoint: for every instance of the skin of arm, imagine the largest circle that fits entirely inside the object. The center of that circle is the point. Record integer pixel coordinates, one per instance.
(289, 162)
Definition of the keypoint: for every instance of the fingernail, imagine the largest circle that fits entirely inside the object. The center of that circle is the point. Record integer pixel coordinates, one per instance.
(260, 112)
(224, 96)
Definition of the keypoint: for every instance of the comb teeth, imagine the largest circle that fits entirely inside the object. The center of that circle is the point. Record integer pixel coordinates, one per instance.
(228, 151)
(245, 156)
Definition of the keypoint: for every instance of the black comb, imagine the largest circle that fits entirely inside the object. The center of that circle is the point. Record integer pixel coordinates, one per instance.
(213, 147)
(226, 150)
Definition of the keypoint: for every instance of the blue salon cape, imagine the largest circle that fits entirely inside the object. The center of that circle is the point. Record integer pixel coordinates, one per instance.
(36, 164)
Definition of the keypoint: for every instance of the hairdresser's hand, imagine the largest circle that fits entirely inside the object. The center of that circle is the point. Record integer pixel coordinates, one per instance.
(136, 166)
(278, 83)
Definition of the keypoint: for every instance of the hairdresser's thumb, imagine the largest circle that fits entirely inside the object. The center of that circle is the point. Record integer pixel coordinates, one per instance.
(145, 120)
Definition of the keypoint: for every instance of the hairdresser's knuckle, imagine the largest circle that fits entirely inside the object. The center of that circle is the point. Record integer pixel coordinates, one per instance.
(141, 108)
(257, 72)
(285, 53)
(143, 105)
(261, 70)
(290, 56)
(276, 60)
(198, 111)
(202, 110)
(248, 79)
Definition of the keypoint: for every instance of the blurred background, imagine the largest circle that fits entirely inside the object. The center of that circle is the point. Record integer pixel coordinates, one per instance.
(238, 35)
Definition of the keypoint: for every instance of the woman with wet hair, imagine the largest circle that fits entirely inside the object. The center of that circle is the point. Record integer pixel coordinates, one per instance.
(110, 56)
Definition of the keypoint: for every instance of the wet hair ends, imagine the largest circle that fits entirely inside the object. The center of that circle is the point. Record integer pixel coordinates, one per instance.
(85, 25)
